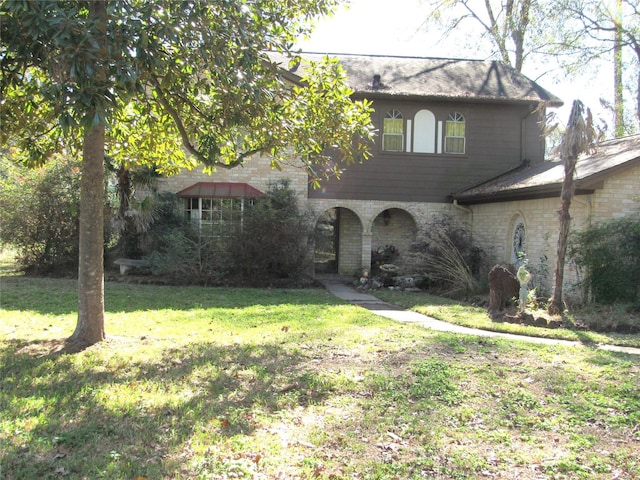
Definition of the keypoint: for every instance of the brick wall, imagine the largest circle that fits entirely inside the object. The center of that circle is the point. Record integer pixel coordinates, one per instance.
(493, 228)
(257, 172)
(493, 223)
(362, 228)
(398, 229)
(620, 195)
(350, 248)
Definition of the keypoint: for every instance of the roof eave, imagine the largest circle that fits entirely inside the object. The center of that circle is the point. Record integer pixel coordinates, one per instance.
(382, 95)
(530, 193)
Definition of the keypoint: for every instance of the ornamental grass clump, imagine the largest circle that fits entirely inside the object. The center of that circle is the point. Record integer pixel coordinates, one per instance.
(448, 258)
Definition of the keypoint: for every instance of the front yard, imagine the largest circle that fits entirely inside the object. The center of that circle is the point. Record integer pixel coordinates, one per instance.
(283, 384)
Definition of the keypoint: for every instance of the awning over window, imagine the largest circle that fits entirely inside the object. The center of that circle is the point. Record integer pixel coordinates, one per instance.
(220, 190)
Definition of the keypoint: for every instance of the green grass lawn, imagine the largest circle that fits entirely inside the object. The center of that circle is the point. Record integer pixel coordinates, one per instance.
(462, 313)
(203, 383)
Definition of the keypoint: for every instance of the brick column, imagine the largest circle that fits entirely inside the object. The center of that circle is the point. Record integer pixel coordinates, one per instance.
(366, 249)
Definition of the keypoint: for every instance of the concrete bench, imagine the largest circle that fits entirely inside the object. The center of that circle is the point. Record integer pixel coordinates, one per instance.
(126, 264)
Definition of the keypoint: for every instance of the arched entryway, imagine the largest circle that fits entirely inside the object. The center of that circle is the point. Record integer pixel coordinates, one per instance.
(338, 242)
(393, 232)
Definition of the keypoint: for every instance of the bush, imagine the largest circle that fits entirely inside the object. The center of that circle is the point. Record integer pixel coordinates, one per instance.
(169, 217)
(184, 257)
(270, 243)
(273, 241)
(609, 255)
(447, 257)
(40, 211)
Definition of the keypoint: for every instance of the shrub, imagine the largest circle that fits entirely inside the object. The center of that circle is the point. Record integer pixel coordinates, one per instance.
(270, 242)
(185, 257)
(40, 211)
(273, 241)
(169, 216)
(447, 257)
(609, 255)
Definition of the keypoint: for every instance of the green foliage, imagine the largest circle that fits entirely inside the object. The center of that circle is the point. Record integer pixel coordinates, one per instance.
(136, 206)
(274, 239)
(448, 257)
(609, 255)
(270, 242)
(175, 248)
(165, 75)
(173, 84)
(185, 257)
(39, 211)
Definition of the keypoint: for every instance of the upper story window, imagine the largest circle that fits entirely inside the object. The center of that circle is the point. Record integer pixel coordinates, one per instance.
(424, 132)
(454, 140)
(393, 131)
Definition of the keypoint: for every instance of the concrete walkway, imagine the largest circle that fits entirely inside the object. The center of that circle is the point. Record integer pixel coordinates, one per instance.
(340, 287)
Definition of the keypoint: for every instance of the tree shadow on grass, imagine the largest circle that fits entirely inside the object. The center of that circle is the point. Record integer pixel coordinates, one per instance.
(104, 414)
(82, 417)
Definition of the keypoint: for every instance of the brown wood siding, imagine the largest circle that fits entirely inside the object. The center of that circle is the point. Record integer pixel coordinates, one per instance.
(494, 145)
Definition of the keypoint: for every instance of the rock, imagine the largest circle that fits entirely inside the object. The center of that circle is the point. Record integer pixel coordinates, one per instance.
(512, 318)
(503, 286)
(540, 322)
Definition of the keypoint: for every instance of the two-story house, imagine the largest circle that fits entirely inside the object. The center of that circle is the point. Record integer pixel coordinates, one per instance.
(445, 127)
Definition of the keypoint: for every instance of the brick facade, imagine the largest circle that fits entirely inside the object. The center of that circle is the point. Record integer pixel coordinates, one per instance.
(257, 172)
(619, 196)
(493, 224)
(363, 227)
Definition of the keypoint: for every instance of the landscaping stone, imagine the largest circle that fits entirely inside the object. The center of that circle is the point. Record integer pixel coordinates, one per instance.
(503, 286)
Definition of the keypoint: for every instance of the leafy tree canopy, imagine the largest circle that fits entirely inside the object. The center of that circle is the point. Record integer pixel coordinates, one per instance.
(173, 77)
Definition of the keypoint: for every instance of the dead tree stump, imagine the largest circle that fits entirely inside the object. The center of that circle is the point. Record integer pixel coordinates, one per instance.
(503, 285)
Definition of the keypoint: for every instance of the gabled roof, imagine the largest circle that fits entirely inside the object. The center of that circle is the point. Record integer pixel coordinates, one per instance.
(220, 190)
(545, 179)
(438, 78)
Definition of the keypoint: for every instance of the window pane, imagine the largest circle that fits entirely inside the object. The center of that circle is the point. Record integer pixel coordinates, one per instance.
(393, 131)
(454, 145)
(216, 217)
(392, 125)
(392, 143)
(455, 129)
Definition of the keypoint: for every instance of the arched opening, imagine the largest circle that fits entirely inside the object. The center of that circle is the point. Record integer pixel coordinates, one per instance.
(393, 232)
(326, 242)
(338, 242)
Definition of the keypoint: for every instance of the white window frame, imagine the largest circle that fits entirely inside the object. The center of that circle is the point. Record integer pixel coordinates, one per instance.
(393, 115)
(456, 120)
(214, 215)
(424, 138)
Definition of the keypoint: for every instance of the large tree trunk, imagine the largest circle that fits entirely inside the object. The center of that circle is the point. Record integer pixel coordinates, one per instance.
(90, 326)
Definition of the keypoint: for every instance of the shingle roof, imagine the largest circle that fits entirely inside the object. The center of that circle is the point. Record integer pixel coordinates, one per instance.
(545, 179)
(440, 78)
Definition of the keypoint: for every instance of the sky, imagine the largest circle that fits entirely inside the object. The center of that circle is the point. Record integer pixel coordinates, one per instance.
(397, 27)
